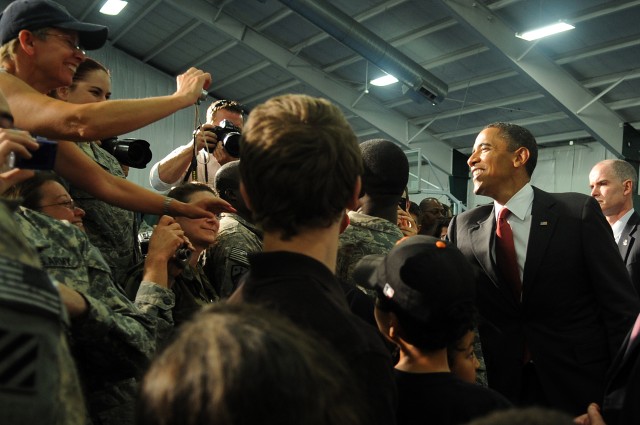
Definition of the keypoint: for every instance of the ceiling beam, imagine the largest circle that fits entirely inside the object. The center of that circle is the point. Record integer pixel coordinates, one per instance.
(388, 122)
(170, 40)
(598, 120)
(127, 26)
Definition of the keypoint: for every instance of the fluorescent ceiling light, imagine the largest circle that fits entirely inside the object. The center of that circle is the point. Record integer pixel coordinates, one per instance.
(545, 31)
(113, 7)
(384, 81)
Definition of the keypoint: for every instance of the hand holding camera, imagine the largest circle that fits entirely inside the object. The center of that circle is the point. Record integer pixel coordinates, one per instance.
(191, 83)
(169, 251)
(19, 154)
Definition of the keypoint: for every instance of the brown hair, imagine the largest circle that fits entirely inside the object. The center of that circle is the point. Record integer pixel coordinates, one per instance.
(244, 365)
(229, 105)
(300, 163)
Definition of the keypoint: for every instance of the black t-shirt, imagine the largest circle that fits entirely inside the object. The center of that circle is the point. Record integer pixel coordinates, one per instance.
(443, 399)
(306, 291)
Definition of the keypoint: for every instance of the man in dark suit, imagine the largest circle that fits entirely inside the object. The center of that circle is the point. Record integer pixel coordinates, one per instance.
(558, 308)
(613, 183)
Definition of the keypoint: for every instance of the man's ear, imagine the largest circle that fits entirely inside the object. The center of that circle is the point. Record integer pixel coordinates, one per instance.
(353, 201)
(62, 93)
(627, 187)
(521, 158)
(25, 38)
(245, 196)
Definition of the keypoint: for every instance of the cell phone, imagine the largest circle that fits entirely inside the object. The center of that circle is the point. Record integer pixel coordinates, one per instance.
(42, 159)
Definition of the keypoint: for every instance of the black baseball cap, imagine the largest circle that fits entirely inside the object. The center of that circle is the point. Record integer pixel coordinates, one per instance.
(422, 275)
(35, 14)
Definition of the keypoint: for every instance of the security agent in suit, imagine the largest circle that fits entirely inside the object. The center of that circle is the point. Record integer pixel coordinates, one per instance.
(613, 183)
(551, 342)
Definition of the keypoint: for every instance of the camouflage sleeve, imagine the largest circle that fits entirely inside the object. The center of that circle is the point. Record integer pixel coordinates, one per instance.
(225, 268)
(154, 300)
(127, 332)
(121, 336)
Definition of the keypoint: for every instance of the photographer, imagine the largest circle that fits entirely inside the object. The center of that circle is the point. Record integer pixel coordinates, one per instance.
(172, 169)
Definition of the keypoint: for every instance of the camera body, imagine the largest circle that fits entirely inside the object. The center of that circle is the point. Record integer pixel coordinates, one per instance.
(229, 135)
(135, 153)
(181, 256)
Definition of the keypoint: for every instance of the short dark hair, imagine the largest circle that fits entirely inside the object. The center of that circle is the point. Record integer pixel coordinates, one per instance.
(440, 331)
(386, 170)
(28, 191)
(300, 163)
(518, 137)
(242, 365)
(228, 178)
(184, 191)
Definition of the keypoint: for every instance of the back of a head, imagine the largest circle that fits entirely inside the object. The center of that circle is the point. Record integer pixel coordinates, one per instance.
(244, 365)
(429, 285)
(300, 163)
(386, 170)
(228, 178)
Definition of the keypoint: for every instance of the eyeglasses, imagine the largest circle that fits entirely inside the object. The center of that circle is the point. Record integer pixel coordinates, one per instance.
(73, 45)
(70, 204)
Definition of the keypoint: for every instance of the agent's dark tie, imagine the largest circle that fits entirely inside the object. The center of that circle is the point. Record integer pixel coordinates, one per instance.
(506, 258)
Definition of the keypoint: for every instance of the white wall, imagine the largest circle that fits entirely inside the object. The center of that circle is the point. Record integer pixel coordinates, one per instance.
(134, 79)
(560, 169)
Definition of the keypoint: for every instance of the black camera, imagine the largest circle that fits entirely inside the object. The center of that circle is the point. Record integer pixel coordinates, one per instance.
(229, 135)
(181, 257)
(135, 153)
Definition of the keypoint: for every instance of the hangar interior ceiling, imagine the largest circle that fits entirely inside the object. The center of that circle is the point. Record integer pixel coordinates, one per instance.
(581, 85)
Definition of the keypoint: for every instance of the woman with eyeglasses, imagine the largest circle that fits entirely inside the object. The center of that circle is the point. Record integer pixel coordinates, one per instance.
(113, 338)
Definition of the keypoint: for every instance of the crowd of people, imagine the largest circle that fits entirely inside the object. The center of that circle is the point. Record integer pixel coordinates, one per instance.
(293, 281)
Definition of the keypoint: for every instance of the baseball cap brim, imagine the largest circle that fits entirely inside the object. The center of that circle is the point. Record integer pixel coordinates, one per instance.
(91, 36)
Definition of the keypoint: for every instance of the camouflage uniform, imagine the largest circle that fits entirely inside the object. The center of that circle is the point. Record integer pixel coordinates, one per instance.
(39, 382)
(110, 228)
(228, 260)
(191, 288)
(365, 235)
(115, 340)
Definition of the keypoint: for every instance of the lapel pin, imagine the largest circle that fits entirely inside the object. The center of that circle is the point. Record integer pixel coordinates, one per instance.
(544, 223)
(625, 242)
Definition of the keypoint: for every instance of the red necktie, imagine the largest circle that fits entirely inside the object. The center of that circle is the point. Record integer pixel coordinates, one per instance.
(506, 258)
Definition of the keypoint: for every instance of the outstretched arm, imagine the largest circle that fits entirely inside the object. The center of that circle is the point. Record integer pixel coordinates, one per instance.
(52, 118)
(82, 172)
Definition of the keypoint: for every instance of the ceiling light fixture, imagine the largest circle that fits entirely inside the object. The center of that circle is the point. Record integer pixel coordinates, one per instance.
(545, 31)
(113, 7)
(384, 81)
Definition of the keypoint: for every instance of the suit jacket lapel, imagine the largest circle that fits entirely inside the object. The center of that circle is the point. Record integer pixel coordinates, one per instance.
(543, 222)
(481, 236)
(627, 238)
